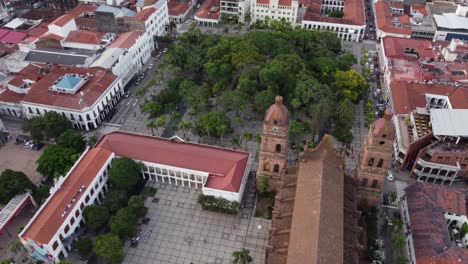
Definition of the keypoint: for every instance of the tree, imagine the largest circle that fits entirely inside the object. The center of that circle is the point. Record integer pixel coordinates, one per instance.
(241, 257)
(392, 196)
(297, 130)
(264, 184)
(124, 223)
(401, 260)
(161, 122)
(96, 216)
(7, 261)
(247, 136)
(235, 141)
(235, 101)
(56, 160)
(464, 230)
(151, 124)
(109, 247)
(35, 127)
(137, 206)
(398, 224)
(13, 183)
(350, 85)
(398, 241)
(184, 126)
(72, 139)
(55, 124)
(116, 199)
(84, 245)
(16, 246)
(263, 100)
(63, 262)
(221, 130)
(152, 108)
(124, 173)
(208, 124)
(336, 13)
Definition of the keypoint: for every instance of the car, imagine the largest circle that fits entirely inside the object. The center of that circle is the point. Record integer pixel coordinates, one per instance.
(150, 66)
(187, 21)
(165, 50)
(372, 66)
(390, 176)
(29, 143)
(37, 146)
(376, 114)
(137, 82)
(127, 94)
(381, 107)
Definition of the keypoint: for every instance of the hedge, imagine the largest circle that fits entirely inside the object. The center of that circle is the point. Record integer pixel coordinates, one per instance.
(220, 205)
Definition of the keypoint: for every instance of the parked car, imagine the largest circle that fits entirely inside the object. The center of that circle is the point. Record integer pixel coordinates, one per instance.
(29, 143)
(37, 146)
(390, 176)
(137, 82)
(150, 66)
(381, 107)
(165, 50)
(127, 94)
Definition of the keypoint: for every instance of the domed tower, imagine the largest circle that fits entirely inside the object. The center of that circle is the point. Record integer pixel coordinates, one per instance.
(274, 146)
(375, 158)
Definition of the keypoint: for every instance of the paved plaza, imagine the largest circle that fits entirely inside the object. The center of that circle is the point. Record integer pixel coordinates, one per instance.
(180, 232)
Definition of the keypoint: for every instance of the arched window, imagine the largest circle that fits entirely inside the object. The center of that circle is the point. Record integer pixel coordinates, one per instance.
(276, 168)
(375, 183)
(275, 122)
(379, 165)
(278, 148)
(371, 162)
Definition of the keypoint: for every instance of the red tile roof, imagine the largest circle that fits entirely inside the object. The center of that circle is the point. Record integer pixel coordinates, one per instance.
(51, 36)
(30, 72)
(398, 5)
(420, 8)
(86, 37)
(353, 13)
(92, 89)
(145, 13)
(395, 47)
(9, 96)
(177, 8)
(80, 9)
(62, 20)
(385, 20)
(49, 220)
(404, 19)
(3, 32)
(125, 40)
(406, 96)
(284, 2)
(39, 30)
(263, 2)
(225, 166)
(209, 10)
(427, 204)
(13, 37)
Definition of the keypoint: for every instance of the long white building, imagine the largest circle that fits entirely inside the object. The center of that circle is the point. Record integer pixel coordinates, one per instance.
(216, 171)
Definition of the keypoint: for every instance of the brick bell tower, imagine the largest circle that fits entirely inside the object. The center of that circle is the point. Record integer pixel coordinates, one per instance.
(274, 146)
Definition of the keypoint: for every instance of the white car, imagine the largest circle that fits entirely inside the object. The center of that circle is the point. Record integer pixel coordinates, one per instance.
(390, 176)
(29, 144)
(150, 66)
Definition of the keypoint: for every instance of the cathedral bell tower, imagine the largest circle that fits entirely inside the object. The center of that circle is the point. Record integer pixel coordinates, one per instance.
(274, 146)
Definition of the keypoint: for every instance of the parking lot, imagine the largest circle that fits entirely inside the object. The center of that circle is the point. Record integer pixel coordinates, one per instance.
(180, 232)
(20, 158)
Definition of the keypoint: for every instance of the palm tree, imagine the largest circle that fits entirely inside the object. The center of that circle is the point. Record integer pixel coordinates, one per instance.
(248, 136)
(222, 129)
(161, 122)
(151, 124)
(184, 126)
(235, 141)
(241, 257)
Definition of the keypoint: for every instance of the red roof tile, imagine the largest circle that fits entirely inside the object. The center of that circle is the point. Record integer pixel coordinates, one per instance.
(263, 2)
(3, 32)
(353, 13)
(80, 9)
(385, 20)
(407, 96)
(284, 2)
(39, 30)
(83, 36)
(9, 96)
(209, 10)
(398, 5)
(225, 166)
(145, 13)
(51, 36)
(13, 37)
(62, 20)
(177, 8)
(30, 72)
(49, 220)
(420, 8)
(404, 19)
(125, 40)
(92, 89)
(395, 47)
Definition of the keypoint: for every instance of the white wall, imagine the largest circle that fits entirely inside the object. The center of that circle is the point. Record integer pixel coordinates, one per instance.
(343, 31)
(64, 30)
(78, 45)
(274, 11)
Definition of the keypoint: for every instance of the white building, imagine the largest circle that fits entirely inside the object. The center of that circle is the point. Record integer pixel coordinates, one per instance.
(275, 10)
(216, 171)
(452, 25)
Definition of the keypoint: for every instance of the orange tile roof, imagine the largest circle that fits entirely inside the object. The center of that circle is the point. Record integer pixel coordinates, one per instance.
(51, 36)
(284, 2)
(80, 9)
(30, 72)
(398, 5)
(62, 20)
(353, 13)
(177, 8)
(209, 10)
(6, 95)
(384, 18)
(145, 13)
(39, 30)
(125, 40)
(404, 19)
(49, 220)
(395, 47)
(420, 8)
(92, 89)
(86, 37)
(225, 166)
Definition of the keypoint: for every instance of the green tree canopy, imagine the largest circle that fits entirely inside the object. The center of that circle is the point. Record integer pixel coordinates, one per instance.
(263, 100)
(96, 216)
(85, 246)
(235, 101)
(116, 199)
(56, 160)
(241, 257)
(72, 139)
(350, 85)
(137, 206)
(13, 183)
(209, 123)
(124, 173)
(124, 223)
(109, 247)
(51, 125)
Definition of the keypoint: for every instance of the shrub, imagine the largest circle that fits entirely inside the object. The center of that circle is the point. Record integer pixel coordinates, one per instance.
(218, 204)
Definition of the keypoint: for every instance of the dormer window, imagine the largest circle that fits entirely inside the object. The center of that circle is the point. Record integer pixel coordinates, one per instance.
(275, 122)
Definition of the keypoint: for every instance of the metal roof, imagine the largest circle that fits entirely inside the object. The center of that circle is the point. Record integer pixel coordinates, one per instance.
(12, 208)
(56, 58)
(450, 122)
(451, 21)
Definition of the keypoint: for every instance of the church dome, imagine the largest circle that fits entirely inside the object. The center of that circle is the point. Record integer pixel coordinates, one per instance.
(277, 114)
(383, 127)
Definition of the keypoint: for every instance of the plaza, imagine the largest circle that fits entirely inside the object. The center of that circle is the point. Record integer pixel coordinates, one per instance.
(180, 232)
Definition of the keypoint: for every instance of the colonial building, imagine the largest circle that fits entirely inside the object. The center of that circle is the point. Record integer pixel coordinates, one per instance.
(275, 10)
(375, 158)
(274, 146)
(216, 171)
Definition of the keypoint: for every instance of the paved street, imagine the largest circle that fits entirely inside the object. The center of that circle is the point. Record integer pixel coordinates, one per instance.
(180, 232)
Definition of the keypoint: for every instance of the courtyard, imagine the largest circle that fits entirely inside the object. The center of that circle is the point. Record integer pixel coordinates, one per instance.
(180, 232)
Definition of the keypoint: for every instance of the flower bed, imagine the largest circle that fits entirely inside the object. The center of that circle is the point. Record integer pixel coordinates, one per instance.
(216, 204)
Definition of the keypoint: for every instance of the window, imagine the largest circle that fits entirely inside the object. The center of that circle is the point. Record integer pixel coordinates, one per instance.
(30, 110)
(379, 165)
(278, 148)
(55, 245)
(37, 111)
(371, 162)
(364, 182)
(77, 213)
(276, 168)
(72, 220)
(375, 183)
(67, 228)
(275, 122)
(381, 142)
